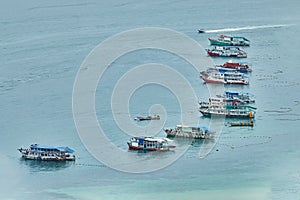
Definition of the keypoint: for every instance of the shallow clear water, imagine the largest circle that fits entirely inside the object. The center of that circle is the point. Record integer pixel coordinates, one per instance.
(42, 45)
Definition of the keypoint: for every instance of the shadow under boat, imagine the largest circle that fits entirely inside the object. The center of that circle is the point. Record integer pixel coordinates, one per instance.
(45, 166)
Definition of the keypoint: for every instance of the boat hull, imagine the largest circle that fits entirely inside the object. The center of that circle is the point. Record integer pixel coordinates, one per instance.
(140, 148)
(45, 158)
(150, 144)
(212, 54)
(226, 114)
(237, 82)
(208, 80)
(241, 124)
(218, 43)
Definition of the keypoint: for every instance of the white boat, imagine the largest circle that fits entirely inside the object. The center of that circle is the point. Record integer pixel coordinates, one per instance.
(229, 111)
(196, 132)
(221, 51)
(47, 153)
(215, 76)
(150, 144)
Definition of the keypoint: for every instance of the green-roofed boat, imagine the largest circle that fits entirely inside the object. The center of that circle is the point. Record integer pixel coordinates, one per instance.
(225, 40)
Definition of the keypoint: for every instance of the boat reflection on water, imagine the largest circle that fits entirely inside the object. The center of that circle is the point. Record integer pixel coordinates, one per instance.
(192, 142)
(45, 166)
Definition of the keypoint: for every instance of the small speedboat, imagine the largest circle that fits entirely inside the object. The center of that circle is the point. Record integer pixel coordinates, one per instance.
(201, 31)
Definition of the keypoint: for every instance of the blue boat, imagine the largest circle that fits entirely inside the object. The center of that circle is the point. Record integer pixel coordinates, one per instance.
(241, 96)
(43, 152)
(150, 144)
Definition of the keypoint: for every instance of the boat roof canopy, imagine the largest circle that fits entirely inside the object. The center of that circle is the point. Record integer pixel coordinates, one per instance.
(58, 148)
(240, 37)
(238, 93)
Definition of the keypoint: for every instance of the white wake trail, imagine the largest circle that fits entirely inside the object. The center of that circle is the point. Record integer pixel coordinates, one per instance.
(246, 28)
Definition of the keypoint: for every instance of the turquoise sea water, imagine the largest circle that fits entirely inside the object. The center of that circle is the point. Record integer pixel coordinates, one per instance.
(42, 45)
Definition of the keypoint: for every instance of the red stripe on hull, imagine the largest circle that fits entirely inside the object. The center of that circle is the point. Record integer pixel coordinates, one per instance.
(213, 54)
(239, 83)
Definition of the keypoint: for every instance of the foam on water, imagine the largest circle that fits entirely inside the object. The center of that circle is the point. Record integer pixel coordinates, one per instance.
(246, 28)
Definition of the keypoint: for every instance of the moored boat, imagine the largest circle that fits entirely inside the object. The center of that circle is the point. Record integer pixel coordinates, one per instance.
(241, 111)
(215, 76)
(150, 144)
(220, 101)
(224, 40)
(241, 96)
(195, 132)
(47, 153)
(221, 51)
(250, 123)
(142, 118)
(243, 67)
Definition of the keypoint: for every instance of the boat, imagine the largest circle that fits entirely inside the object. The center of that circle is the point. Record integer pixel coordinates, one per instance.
(221, 51)
(150, 144)
(212, 101)
(141, 118)
(250, 123)
(240, 96)
(220, 101)
(215, 76)
(243, 67)
(195, 132)
(47, 153)
(225, 40)
(201, 31)
(240, 111)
